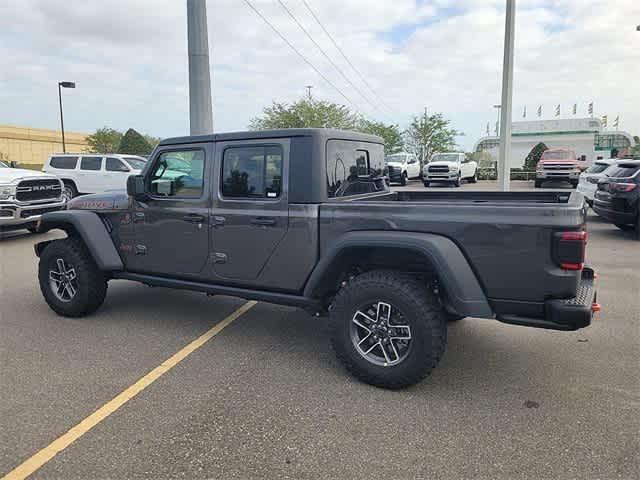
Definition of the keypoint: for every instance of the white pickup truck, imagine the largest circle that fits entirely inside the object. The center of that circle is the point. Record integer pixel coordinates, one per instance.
(451, 167)
(25, 195)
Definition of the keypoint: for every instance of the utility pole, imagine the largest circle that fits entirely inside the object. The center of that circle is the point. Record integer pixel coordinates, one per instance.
(504, 168)
(200, 108)
(308, 87)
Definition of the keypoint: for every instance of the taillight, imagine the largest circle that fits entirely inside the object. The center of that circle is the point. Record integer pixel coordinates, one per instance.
(570, 249)
(622, 187)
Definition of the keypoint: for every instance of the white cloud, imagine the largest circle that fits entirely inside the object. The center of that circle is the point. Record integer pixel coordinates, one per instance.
(129, 59)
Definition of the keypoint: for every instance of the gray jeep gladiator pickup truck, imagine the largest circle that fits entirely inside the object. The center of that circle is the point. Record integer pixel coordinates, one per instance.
(305, 217)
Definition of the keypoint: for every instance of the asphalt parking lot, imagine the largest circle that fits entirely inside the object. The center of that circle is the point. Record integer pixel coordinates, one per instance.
(266, 398)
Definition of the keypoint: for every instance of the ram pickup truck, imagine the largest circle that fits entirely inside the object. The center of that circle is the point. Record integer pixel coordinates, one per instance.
(25, 195)
(305, 217)
(558, 164)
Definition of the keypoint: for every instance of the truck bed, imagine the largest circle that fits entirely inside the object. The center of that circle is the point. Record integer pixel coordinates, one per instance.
(502, 198)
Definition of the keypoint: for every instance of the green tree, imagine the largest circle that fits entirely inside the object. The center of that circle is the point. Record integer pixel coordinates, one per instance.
(635, 150)
(484, 159)
(151, 140)
(393, 141)
(534, 157)
(133, 143)
(306, 113)
(429, 134)
(104, 140)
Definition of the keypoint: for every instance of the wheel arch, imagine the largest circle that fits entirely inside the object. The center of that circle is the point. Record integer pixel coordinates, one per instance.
(89, 228)
(421, 252)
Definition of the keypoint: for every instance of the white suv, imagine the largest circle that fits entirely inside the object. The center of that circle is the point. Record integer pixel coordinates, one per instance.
(93, 172)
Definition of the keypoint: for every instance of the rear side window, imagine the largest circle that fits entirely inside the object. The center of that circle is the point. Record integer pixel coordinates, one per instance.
(623, 171)
(252, 172)
(66, 163)
(354, 168)
(115, 165)
(91, 163)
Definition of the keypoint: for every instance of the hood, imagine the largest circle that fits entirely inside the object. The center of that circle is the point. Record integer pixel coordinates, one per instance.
(395, 164)
(10, 175)
(113, 200)
(567, 162)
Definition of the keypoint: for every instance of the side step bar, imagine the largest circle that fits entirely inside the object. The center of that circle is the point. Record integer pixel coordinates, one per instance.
(309, 304)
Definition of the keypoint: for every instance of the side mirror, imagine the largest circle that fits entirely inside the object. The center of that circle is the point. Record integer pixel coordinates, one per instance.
(13, 164)
(135, 187)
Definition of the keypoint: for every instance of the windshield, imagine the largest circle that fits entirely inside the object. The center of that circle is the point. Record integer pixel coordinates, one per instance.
(3, 165)
(136, 163)
(445, 157)
(623, 171)
(398, 157)
(557, 155)
(597, 168)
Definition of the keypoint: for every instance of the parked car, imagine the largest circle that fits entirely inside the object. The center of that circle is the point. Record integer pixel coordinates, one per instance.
(402, 166)
(618, 196)
(558, 164)
(305, 217)
(449, 167)
(25, 195)
(93, 173)
(588, 180)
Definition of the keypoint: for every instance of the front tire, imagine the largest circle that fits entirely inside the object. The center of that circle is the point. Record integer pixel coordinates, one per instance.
(457, 182)
(387, 329)
(69, 191)
(426, 184)
(70, 281)
(403, 179)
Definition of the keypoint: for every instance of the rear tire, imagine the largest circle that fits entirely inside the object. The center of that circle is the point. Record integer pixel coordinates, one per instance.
(70, 281)
(426, 184)
(624, 227)
(414, 311)
(473, 179)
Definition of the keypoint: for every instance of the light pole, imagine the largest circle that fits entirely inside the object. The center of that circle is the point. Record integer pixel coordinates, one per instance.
(200, 108)
(62, 85)
(504, 171)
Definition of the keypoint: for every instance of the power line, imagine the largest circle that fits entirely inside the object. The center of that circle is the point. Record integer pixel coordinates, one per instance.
(308, 62)
(335, 44)
(310, 37)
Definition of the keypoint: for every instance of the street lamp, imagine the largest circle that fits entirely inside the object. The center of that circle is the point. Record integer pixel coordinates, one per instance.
(62, 85)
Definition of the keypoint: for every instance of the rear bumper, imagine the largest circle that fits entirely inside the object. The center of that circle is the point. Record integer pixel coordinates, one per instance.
(614, 216)
(564, 314)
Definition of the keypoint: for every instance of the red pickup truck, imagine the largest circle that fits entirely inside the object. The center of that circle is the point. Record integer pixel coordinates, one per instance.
(558, 164)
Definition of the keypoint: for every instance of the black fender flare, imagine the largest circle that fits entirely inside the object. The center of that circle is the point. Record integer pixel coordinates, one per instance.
(91, 230)
(464, 291)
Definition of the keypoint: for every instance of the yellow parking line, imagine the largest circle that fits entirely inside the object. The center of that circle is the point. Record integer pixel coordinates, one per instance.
(36, 461)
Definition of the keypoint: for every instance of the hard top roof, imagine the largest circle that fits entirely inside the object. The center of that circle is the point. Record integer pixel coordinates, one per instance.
(323, 133)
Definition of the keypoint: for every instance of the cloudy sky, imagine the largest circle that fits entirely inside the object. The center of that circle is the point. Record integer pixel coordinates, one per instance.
(129, 60)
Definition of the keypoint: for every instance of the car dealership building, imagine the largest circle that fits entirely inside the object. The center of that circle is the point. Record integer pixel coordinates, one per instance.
(584, 135)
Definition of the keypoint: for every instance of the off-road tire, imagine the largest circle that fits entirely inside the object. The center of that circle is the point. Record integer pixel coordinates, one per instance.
(91, 282)
(420, 308)
(403, 179)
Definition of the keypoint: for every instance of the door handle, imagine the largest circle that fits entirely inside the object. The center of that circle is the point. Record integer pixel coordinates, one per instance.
(193, 218)
(218, 221)
(264, 221)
